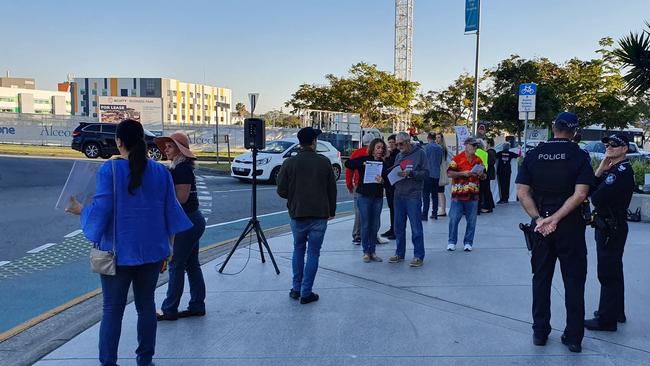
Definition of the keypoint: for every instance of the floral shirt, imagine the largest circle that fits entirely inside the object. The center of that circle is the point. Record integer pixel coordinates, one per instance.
(464, 188)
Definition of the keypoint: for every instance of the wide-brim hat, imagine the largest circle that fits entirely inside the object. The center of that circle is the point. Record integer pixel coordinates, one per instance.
(180, 139)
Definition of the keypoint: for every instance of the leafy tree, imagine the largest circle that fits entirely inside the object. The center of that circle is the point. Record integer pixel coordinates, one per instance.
(241, 110)
(371, 92)
(634, 54)
(452, 106)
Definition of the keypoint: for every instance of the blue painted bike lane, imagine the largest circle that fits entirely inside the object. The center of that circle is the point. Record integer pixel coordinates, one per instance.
(42, 281)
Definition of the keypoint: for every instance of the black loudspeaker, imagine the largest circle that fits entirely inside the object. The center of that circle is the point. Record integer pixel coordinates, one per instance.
(254, 134)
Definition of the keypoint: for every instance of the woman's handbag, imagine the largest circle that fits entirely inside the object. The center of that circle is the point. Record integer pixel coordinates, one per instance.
(102, 261)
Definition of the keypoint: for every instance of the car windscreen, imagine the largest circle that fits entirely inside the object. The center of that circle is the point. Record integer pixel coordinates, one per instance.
(277, 147)
(148, 133)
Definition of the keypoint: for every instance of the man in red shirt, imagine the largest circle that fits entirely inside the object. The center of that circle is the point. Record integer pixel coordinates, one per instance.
(465, 171)
(352, 181)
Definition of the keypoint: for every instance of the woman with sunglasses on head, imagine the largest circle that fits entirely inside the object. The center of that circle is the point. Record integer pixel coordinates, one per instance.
(611, 199)
(133, 214)
(185, 258)
(370, 197)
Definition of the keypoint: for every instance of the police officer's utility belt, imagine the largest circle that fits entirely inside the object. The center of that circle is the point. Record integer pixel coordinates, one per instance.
(547, 205)
(608, 222)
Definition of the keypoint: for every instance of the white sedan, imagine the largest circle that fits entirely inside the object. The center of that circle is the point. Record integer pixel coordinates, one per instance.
(271, 158)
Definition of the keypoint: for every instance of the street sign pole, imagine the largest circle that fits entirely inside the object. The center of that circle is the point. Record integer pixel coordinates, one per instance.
(525, 134)
(476, 66)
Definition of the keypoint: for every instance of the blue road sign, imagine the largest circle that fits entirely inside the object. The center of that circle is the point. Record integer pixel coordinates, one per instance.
(528, 89)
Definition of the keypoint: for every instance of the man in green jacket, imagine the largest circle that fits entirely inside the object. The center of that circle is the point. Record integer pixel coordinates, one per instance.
(307, 182)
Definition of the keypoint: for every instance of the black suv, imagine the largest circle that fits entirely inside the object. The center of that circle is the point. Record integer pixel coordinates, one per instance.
(98, 139)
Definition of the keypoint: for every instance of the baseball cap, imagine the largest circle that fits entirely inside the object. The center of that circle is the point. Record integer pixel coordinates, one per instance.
(617, 139)
(307, 134)
(471, 141)
(566, 121)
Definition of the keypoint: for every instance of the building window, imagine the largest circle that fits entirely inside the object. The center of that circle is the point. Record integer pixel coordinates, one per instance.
(208, 119)
(94, 103)
(94, 91)
(174, 92)
(124, 92)
(134, 93)
(198, 118)
(95, 115)
(221, 119)
(174, 117)
(104, 92)
(191, 95)
(183, 94)
(192, 106)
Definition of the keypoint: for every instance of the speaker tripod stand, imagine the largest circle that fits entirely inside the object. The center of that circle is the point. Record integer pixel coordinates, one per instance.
(253, 225)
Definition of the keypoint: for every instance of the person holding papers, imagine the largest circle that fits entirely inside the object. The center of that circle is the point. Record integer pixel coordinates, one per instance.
(370, 191)
(465, 171)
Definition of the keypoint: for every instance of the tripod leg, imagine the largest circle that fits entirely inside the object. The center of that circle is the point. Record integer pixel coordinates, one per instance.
(268, 249)
(258, 229)
(247, 230)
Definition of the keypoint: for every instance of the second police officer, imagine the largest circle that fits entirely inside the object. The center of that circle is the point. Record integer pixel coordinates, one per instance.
(611, 198)
(553, 181)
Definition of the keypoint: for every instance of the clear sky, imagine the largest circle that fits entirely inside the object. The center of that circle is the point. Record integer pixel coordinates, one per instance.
(271, 47)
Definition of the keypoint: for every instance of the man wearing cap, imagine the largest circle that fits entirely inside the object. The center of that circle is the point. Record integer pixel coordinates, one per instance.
(553, 181)
(308, 183)
(465, 171)
(352, 181)
(611, 198)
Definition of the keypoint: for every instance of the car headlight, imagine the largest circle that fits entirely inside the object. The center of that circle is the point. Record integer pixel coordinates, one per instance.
(263, 161)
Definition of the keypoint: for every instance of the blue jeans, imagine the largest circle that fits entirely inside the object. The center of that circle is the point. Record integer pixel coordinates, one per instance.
(114, 291)
(456, 212)
(409, 207)
(370, 212)
(304, 231)
(430, 194)
(185, 258)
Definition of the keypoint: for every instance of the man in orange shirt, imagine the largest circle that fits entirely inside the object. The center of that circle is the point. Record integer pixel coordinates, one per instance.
(352, 181)
(465, 171)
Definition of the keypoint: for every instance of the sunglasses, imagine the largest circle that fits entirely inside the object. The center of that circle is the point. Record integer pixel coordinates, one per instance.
(400, 143)
(613, 144)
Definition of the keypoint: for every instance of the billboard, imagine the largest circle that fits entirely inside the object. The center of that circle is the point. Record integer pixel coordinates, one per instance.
(147, 111)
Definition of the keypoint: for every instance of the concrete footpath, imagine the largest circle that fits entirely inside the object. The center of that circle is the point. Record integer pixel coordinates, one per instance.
(458, 309)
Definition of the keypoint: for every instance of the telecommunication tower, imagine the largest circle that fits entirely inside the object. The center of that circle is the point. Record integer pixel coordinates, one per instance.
(403, 51)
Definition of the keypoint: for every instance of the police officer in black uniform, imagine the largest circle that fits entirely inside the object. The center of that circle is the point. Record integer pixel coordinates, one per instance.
(611, 198)
(552, 182)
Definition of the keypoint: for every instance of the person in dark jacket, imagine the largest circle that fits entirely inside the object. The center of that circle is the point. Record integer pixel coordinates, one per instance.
(370, 196)
(390, 189)
(308, 183)
(504, 172)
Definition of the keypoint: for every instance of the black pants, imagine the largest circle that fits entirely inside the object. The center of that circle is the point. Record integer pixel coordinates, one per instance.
(486, 201)
(568, 245)
(390, 194)
(504, 185)
(610, 274)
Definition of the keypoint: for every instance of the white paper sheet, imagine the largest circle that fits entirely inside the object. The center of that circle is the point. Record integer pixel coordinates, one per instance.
(80, 184)
(372, 170)
(393, 177)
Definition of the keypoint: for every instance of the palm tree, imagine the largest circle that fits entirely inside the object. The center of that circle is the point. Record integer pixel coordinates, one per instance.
(634, 54)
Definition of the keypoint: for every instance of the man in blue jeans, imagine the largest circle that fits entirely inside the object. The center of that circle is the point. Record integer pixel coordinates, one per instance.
(307, 182)
(465, 170)
(430, 188)
(412, 169)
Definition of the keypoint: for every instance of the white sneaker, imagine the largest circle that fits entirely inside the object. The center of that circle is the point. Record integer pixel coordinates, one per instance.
(467, 248)
(451, 247)
(382, 240)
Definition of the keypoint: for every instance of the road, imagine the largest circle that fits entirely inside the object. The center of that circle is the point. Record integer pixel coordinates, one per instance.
(43, 255)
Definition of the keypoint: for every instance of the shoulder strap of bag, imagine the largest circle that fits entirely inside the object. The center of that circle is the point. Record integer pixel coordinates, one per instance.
(114, 208)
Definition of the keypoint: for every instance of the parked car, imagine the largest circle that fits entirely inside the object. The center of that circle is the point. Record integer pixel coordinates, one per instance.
(98, 140)
(597, 149)
(271, 158)
(516, 147)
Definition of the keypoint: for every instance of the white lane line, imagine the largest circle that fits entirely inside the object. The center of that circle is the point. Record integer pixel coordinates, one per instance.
(74, 233)
(242, 190)
(41, 248)
(207, 204)
(265, 215)
(207, 198)
(2, 263)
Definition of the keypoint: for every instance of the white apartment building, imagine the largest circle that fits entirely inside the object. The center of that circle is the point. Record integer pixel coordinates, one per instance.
(19, 100)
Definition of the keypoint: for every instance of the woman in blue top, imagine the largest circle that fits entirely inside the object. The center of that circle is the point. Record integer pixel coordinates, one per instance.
(147, 216)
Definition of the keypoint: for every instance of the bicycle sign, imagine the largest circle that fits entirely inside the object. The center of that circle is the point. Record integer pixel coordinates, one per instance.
(527, 96)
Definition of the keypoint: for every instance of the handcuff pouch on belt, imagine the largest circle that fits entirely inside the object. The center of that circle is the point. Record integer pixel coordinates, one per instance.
(607, 225)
